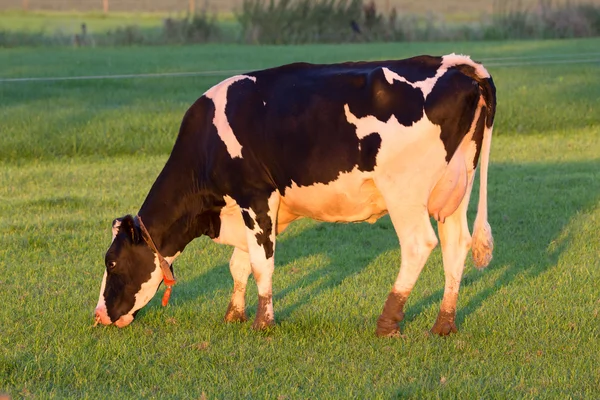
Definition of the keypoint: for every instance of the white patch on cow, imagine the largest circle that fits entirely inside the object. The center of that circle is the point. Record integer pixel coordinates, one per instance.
(351, 197)
(459, 59)
(101, 301)
(426, 85)
(369, 124)
(171, 259)
(233, 230)
(218, 94)
(240, 269)
(410, 160)
(390, 131)
(149, 288)
(448, 61)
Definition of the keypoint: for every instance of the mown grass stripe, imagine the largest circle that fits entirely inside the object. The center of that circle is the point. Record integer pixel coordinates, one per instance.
(240, 71)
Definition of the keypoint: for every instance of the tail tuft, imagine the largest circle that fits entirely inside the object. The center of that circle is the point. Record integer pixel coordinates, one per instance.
(482, 245)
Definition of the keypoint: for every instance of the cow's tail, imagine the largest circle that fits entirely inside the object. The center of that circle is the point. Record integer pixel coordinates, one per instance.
(483, 242)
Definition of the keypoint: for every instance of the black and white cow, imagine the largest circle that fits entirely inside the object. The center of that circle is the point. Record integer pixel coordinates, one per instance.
(339, 143)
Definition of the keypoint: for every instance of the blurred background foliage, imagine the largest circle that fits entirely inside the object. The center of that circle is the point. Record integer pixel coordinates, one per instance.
(155, 22)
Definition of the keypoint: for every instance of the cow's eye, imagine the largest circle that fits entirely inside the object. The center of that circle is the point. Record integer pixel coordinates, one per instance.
(111, 265)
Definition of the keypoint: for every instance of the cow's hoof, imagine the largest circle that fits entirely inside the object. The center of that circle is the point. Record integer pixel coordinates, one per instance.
(388, 327)
(388, 323)
(443, 328)
(261, 324)
(391, 333)
(235, 314)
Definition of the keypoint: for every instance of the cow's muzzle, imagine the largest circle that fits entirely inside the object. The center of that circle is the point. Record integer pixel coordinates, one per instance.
(101, 317)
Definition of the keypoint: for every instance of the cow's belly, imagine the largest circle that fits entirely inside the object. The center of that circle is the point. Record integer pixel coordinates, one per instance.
(353, 197)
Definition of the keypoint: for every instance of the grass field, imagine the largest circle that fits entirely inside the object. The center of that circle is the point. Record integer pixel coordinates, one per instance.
(76, 154)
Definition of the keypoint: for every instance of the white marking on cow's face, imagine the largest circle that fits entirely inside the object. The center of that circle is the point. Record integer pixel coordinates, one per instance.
(101, 306)
(101, 301)
(149, 288)
(218, 94)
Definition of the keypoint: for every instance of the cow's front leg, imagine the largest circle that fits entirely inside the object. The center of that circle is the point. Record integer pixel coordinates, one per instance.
(261, 219)
(239, 265)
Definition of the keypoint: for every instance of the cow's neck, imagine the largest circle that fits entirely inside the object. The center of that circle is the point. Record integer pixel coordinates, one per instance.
(170, 231)
(175, 212)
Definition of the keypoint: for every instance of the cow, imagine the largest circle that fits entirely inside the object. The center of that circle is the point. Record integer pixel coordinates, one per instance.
(345, 142)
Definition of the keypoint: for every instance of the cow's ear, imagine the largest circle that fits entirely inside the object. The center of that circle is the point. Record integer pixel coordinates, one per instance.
(129, 226)
(115, 227)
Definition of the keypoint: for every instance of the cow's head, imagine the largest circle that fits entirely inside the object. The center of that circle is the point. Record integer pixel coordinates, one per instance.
(132, 276)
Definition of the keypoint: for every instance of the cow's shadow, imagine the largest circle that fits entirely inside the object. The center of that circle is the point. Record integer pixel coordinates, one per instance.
(531, 207)
(521, 196)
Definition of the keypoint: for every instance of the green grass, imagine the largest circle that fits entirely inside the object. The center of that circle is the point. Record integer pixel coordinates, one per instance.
(74, 155)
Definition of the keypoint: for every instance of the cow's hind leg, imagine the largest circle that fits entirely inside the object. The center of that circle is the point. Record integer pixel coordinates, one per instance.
(261, 219)
(239, 265)
(417, 239)
(456, 242)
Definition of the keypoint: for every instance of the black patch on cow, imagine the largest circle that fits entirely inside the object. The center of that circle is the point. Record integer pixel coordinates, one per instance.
(248, 221)
(263, 238)
(487, 88)
(119, 298)
(451, 105)
(305, 137)
(260, 206)
(369, 148)
(249, 112)
(416, 69)
(384, 100)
